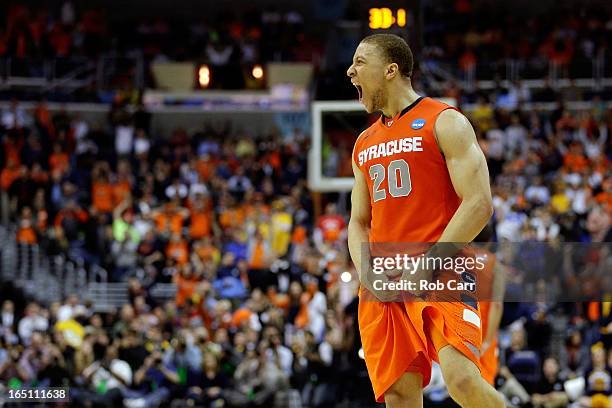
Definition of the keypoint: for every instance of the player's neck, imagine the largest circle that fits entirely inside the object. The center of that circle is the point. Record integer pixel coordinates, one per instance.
(399, 98)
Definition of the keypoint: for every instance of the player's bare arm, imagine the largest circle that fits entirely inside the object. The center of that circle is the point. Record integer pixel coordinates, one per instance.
(359, 224)
(359, 232)
(469, 174)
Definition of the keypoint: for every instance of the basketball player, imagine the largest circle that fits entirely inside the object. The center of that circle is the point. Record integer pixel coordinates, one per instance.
(420, 176)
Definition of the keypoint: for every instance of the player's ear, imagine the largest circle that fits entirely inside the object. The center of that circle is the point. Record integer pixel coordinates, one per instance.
(392, 70)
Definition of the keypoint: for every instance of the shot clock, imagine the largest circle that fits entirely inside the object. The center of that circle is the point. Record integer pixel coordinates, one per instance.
(385, 17)
(401, 17)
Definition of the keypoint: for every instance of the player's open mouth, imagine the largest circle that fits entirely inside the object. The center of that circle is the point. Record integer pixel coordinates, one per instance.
(359, 91)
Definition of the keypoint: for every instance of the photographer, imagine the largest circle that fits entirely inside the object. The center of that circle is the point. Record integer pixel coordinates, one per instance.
(184, 354)
(153, 381)
(257, 380)
(9, 366)
(206, 387)
(53, 371)
(31, 360)
(313, 362)
(105, 379)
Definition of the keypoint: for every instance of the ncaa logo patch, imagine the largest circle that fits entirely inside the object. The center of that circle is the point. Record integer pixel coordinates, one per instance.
(417, 124)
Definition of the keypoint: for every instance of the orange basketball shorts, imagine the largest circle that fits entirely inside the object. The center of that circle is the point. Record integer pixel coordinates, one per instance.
(399, 337)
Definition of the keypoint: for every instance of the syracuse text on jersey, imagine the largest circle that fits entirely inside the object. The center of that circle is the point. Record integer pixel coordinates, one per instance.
(386, 149)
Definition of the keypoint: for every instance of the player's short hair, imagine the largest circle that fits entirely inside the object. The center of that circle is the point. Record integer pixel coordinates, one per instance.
(395, 49)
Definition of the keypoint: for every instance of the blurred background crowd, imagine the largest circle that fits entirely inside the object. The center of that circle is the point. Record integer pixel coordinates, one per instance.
(265, 302)
(459, 39)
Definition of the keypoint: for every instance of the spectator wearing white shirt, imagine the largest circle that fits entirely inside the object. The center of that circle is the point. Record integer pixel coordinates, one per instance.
(71, 309)
(142, 145)
(14, 117)
(516, 137)
(239, 184)
(579, 194)
(177, 189)
(547, 229)
(34, 320)
(538, 193)
(495, 150)
(510, 227)
(8, 322)
(594, 142)
(317, 307)
(107, 378)
(280, 351)
(124, 140)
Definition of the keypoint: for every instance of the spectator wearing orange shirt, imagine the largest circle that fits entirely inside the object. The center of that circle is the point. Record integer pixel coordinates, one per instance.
(102, 189)
(331, 228)
(186, 283)
(575, 160)
(40, 211)
(566, 122)
(230, 214)
(39, 176)
(59, 160)
(205, 252)
(177, 249)
(259, 257)
(604, 198)
(258, 252)
(9, 174)
(205, 168)
(122, 188)
(559, 50)
(43, 118)
(71, 218)
(467, 61)
(60, 40)
(12, 143)
(200, 219)
(26, 232)
(170, 219)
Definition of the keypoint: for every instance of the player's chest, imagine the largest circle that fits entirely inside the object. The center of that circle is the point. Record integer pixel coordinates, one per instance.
(397, 165)
(384, 146)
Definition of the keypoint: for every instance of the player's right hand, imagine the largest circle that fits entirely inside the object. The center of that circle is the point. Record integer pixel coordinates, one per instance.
(367, 281)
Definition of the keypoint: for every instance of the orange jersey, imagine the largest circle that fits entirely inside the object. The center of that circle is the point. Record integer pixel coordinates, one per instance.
(411, 193)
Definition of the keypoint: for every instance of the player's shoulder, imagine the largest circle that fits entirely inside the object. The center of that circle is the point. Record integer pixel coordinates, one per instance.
(451, 120)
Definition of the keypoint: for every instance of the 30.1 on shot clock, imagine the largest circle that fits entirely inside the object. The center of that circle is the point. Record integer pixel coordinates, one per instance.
(382, 18)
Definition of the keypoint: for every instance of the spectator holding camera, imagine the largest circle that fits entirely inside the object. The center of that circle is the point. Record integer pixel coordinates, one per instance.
(206, 386)
(549, 392)
(105, 380)
(153, 382)
(257, 380)
(10, 370)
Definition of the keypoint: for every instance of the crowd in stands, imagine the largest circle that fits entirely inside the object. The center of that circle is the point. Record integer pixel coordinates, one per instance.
(74, 31)
(468, 36)
(260, 308)
(462, 37)
(225, 217)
